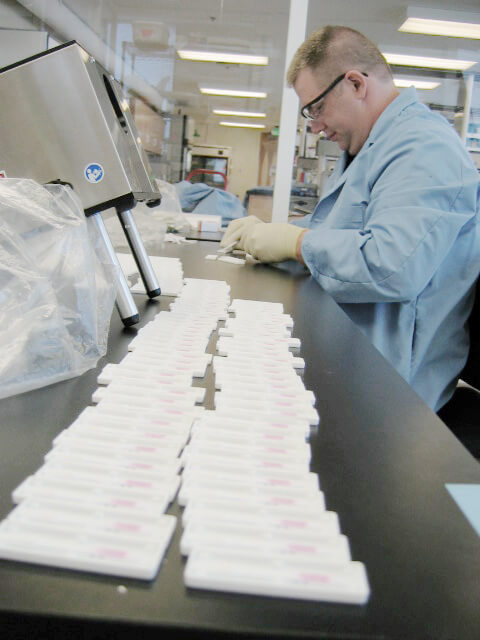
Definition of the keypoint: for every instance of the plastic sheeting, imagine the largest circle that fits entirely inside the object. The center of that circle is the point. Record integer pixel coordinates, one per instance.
(57, 287)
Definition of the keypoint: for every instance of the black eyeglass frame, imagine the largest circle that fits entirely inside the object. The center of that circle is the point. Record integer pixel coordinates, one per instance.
(331, 86)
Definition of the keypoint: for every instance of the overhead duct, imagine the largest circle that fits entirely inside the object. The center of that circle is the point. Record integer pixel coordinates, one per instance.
(64, 21)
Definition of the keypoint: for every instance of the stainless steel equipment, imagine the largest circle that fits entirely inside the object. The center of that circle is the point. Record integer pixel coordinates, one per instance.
(65, 118)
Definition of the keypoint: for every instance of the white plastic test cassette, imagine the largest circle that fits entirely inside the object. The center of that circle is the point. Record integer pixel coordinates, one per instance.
(259, 452)
(66, 455)
(172, 439)
(261, 336)
(198, 284)
(205, 486)
(185, 307)
(263, 320)
(282, 471)
(267, 361)
(170, 328)
(169, 350)
(178, 343)
(104, 498)
(268, 452)
(208, 304)
(326, 550)
(231, 259)
(121, 372)
(127, 442)
(210, 430)
(166, 436)
(68, 460)
(246, 381)
(239, 305)
(235, 327)
(118, 405)
(253, 347)
(330, 547)
(196, 366)
(159, 356)
(184, 398)
(255, 371)
(160, 388)
(266, 417)
(257, 436)
(324, 525)
(284, 430)
(295, 506)
(174, 335)
(109, 414)
(96, 418)
(262, 363)
(296, 395)
(229, 400)
(208, 469)
(89, 520)
(254, 574)
(140, 457)
(99, 553)
(138, 483)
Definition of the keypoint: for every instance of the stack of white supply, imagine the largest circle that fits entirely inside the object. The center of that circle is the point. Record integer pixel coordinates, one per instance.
(254, 519)
(169, 272)
(99, 501)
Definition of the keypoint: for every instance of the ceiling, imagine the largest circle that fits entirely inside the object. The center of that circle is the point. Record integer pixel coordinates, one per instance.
(240, 26)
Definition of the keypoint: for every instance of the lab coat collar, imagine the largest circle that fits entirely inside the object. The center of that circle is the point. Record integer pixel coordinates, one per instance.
(401, 102)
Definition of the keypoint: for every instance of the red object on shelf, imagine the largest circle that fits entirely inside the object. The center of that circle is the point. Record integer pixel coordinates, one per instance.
(209, 171)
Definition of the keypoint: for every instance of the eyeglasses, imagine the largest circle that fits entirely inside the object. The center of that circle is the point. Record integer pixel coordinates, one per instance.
(311, 111)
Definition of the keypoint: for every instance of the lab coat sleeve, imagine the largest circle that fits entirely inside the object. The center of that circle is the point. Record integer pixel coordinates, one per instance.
(388, 248)
(303, 222)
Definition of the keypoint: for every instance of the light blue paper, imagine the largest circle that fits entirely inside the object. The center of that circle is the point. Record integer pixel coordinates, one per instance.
(467, 497)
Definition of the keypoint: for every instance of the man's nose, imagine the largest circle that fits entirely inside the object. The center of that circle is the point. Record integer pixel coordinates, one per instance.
(316, 126)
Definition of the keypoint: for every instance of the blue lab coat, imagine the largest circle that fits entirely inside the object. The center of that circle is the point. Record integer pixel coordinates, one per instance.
(395, 239)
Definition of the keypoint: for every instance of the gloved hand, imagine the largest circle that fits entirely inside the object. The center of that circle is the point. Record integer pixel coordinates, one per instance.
(236, 229)
(272, 242)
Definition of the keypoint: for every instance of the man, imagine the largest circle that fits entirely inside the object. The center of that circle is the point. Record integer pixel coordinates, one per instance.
(395, 237)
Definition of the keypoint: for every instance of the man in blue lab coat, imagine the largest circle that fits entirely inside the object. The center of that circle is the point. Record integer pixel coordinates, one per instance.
(395, 237)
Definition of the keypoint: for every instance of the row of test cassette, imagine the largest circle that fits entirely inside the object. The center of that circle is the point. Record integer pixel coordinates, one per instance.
(98, 503)
(255, 520)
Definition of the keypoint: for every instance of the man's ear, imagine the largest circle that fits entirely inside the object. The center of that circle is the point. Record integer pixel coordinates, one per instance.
(358, 81)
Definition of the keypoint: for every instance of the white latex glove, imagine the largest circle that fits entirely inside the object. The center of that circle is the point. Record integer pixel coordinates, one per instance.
(273, 241)
(236, 229)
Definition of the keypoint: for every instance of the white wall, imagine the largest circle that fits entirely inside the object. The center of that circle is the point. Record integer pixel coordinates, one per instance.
(19, 34)
(14, 16)
(245, 143)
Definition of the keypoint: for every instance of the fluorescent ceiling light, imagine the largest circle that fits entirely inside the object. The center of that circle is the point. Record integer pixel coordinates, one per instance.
(441, 28)
(233, 93)
(232, 58)
(430, 63)
(241, 114)
(242, 124)
(418, 84)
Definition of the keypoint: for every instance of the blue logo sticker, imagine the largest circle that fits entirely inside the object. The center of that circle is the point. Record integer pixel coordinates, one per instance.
(94, 172)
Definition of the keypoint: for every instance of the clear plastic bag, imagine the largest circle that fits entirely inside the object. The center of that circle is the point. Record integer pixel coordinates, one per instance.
(57, 287)
(152, 223)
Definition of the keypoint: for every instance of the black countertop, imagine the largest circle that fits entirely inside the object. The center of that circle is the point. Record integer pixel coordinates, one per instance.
(383, 459)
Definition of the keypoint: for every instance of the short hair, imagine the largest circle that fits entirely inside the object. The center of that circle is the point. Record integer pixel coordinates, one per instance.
(339, 49)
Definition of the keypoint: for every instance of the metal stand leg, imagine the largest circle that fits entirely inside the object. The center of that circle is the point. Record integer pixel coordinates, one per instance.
(138, 251)
(125, 303)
